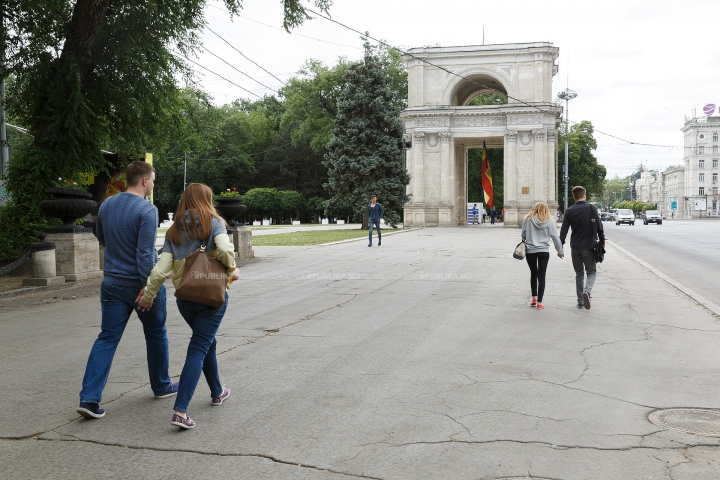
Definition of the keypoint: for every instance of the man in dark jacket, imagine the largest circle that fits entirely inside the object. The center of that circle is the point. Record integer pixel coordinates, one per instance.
(585, 222)
(375, 213)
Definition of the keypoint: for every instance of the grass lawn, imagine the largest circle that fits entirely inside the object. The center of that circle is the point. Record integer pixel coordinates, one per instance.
(307, 238)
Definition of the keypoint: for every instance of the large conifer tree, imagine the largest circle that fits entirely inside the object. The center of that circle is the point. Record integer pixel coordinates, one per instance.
(363, 157)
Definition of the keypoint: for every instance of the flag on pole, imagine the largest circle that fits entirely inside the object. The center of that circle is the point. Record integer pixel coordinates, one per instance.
(486, 176)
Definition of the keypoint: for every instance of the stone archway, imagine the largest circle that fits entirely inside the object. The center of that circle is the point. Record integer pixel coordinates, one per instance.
(442, 128)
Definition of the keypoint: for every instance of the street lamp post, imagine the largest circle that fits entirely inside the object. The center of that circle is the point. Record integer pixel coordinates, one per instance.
(566, 95)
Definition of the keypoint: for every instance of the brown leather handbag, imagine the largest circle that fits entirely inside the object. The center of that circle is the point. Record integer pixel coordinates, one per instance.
(204, 279)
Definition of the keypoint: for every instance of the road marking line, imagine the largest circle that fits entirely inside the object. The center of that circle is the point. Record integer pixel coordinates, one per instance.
(687, 291)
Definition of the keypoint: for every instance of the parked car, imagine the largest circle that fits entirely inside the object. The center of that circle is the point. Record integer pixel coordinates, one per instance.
(606, 217)
(652, 216)
(624, 215)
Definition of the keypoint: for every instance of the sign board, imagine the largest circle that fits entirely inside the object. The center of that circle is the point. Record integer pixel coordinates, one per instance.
(673, 205)
(470, 214)
(700, 203)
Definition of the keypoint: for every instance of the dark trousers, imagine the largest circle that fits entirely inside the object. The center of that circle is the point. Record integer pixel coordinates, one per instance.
(538, 263)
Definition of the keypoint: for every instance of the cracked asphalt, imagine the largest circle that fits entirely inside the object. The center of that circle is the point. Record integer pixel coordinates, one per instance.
(419, 359)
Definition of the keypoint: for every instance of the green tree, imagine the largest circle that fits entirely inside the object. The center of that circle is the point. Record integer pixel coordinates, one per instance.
(290, 202)
(97, 74)
(315, 207)
(583, 166)
(262, 202)
(488, 99)
(616, 189)
(363, 156)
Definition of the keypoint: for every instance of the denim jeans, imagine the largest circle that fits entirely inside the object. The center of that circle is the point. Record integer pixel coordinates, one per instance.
(374, 223)
(204, 321)
(117, 303)
(584, 262)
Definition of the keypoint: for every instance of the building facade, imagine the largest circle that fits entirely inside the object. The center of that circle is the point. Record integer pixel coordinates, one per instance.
(672, 192)
(701, 158)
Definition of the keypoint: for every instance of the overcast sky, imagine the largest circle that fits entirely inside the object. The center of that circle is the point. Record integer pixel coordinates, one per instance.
(639, 66)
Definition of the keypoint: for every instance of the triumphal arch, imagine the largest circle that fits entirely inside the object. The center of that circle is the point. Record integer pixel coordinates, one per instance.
(443, 127)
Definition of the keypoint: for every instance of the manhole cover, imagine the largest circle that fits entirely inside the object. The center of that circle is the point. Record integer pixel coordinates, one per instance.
(695, 421)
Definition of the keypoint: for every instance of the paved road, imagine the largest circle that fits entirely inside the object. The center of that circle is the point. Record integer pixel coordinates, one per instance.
(686, 250)
(419, 359)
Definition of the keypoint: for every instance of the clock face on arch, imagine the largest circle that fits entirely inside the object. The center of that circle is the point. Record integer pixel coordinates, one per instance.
(701, 136)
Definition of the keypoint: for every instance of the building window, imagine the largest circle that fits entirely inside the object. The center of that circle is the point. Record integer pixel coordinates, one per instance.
(701, 191)
(715, 137)
(702, 177)
(714, 177)
(715, 149)
(715, 163)
(701, 150)
(701, 163)
(715, 190)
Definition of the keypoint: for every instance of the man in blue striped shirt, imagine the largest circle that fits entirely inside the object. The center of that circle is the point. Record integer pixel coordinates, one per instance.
(127, 228)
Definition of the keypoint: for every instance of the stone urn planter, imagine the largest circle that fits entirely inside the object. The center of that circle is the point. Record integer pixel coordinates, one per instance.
(68, 205)
(230, 208)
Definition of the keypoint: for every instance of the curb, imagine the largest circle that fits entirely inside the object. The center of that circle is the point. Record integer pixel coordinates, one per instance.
(362, 238)
(19, 292)
(687, 291)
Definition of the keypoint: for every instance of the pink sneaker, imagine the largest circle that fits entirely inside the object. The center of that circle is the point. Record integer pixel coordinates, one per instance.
(533, 301)
(225, 394)
(181, 422)
(540, 306)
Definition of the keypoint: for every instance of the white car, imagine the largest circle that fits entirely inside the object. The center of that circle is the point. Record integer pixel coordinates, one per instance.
(624, 215)
(652, 216)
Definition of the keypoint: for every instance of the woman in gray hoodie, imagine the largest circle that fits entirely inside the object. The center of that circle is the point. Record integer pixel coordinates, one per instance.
(538, 229)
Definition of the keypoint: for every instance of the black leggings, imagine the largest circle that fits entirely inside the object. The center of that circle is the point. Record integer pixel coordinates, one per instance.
(538, 263)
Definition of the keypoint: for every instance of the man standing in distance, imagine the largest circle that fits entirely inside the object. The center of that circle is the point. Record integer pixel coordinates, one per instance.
(375, 213)
(475, 213)
(584, 220)
(127, 228)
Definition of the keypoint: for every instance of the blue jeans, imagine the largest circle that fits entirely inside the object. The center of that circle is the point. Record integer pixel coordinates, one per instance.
(117, 303)
(204, 321)
(374, 222)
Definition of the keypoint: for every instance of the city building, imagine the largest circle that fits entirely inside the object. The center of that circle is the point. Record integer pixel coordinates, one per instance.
(672, 192)
(701, 156)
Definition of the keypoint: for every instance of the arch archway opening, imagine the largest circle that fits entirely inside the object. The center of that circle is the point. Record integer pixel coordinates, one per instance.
(475, 86)
(495, 156)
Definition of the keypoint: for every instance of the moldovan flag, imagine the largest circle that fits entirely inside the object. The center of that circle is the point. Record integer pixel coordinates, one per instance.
(486, 176)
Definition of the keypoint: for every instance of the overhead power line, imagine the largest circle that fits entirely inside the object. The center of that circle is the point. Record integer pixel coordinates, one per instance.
(381, 42)
(246, 57)
(205, 68)
(239, 71)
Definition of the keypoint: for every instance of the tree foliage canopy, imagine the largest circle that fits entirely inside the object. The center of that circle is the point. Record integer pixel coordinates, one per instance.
(583, 165)
(363, 156)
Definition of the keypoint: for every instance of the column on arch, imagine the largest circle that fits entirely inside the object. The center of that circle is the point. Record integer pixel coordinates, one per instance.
(510, 170)
(419, 167)
(551, 162)
(539, 169)
(445, 193)
(409, 167)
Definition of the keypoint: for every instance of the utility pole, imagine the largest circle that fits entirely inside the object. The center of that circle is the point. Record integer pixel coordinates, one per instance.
(185, 175)
(566, 95)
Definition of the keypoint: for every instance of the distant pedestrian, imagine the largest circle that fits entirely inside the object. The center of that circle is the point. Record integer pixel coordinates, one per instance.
(375, 213)
(586, 226)
(484, 215)
(538, 229)
(127, 228)
(475, 212)
(493, 215)
(197, 223)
